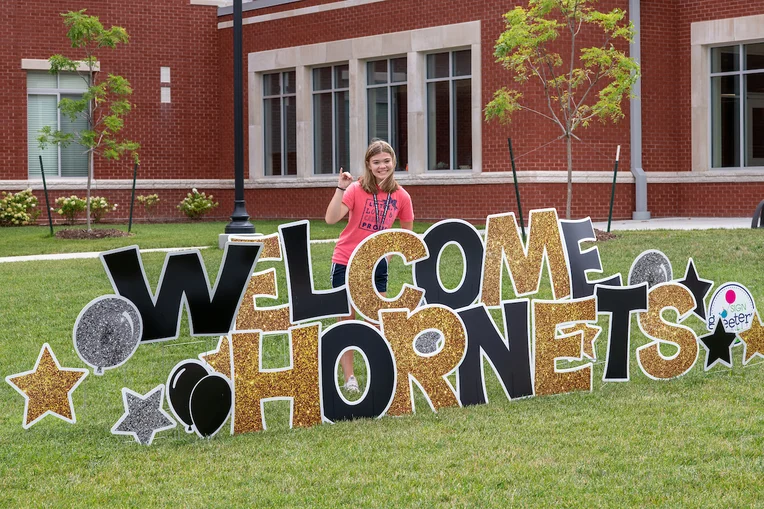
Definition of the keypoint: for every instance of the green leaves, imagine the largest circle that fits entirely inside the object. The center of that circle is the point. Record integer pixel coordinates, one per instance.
(85, 30)
(504, 103)
(540, 44)
(104, 103)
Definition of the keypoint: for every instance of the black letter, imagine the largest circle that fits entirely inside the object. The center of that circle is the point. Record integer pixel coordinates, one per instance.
(619, 303)
(582, 262)
(380, 377)
(306, 304)
(426, 271)
(183, 276)
(510, 361)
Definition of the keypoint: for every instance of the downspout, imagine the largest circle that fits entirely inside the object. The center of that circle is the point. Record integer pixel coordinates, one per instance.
(635, 105)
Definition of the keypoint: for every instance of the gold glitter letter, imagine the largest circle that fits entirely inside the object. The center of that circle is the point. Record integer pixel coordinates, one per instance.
(269, 319)
(503, 242)
(363, 293)
(651, 361)
(548, 347)
(401, 328)
(298, 382)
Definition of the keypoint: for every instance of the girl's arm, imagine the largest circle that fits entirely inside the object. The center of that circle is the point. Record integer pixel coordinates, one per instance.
(407, 225)
(336, 209)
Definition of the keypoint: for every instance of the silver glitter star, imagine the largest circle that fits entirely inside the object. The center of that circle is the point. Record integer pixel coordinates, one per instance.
(144, 415)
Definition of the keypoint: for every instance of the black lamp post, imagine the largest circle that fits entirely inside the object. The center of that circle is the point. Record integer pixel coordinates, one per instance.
(240, 218)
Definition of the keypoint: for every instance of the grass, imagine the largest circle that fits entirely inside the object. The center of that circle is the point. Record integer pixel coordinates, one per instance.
(692, 441)
(32, 240)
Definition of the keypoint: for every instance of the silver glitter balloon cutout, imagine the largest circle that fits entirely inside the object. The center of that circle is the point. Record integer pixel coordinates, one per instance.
(652, 267)
(107, 332)
(427, 342)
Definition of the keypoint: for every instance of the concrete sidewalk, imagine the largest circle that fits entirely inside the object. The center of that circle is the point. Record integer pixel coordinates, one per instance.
(663, 223)
(677, 223)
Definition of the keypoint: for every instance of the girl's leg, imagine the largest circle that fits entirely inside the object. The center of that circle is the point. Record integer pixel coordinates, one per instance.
(346, 360)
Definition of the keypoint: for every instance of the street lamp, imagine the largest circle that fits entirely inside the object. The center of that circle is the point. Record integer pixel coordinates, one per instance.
(239, 218)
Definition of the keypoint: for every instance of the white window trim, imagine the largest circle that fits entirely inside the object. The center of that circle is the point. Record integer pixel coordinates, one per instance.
(305, 11)
(35, 64)
(56, 92)
(415, 44)
(703, 36)
(388, 86)
(450, 79)
(281, 96)
(332, 92)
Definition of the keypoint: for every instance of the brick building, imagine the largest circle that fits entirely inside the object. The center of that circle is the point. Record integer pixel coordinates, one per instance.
(325, 76)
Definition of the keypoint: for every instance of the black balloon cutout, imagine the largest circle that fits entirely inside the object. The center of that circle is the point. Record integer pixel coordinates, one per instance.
(183, 378)
(210, 404)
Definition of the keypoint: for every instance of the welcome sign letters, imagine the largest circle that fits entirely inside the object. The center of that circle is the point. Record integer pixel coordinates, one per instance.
(230, 383)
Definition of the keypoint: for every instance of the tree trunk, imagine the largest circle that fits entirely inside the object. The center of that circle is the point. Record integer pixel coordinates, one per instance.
(87, 199)
(569, 147)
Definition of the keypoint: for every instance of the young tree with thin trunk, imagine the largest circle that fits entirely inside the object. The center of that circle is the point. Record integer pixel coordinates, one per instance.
(105, 102)
(590, 83)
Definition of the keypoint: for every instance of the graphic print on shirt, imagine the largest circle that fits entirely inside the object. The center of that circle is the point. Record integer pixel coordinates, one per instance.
(369, 215)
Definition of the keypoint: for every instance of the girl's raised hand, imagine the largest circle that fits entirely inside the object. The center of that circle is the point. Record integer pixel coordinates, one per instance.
(345, 179)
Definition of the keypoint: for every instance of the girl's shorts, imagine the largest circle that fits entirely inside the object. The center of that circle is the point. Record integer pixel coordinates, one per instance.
(380, 275)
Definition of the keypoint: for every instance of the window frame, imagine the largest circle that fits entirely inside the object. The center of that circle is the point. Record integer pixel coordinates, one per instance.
(745, 134)
(451, 79)
(332, 91)
(415, 44)
(282, 117)
(388, 86)
(57, 92)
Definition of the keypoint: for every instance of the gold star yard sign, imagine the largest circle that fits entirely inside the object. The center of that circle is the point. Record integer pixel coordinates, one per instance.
(47, 388)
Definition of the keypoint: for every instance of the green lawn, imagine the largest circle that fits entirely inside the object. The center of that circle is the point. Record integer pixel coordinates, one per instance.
(694, 441)
(31, 240)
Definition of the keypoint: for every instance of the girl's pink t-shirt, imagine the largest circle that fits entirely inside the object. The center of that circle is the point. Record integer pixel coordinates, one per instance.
(362, 220)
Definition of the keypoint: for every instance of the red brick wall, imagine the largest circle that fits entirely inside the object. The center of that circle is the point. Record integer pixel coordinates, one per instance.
(179, 140)
(666, 86)
(193, 137)
(528, 131)
(472, 203)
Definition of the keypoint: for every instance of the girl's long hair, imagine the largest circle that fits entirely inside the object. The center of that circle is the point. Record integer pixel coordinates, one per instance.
(369, 181)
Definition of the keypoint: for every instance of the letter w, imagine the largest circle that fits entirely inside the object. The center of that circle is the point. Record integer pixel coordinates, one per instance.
(184, 278)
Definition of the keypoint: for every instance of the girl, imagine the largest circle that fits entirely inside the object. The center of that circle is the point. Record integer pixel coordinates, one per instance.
(374, 202)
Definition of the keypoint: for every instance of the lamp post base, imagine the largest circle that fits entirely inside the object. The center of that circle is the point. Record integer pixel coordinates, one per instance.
(239, 220)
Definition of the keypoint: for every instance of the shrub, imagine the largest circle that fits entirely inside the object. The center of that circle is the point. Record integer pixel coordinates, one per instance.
(149, 202)
(70, 207)
(99, 207)
(196, 204)
(18, 209)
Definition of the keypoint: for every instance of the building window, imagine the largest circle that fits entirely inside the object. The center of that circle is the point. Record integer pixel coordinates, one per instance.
(449, 110)
(387, 99)
(44, 91)
(331, 119)
(737, 106)
(280, 123)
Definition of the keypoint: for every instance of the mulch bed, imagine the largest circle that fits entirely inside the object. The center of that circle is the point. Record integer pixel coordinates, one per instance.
(603, 236)
(100, 233)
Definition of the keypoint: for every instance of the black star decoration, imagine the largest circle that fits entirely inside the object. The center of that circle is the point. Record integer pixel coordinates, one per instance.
(699, 288)
(718, 346)
(143, 416)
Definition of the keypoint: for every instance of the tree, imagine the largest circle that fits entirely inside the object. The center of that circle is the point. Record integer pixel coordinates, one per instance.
(105, 102)
(590, 84)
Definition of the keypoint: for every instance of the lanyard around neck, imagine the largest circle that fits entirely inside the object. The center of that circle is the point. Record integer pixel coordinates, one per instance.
(384, 211)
